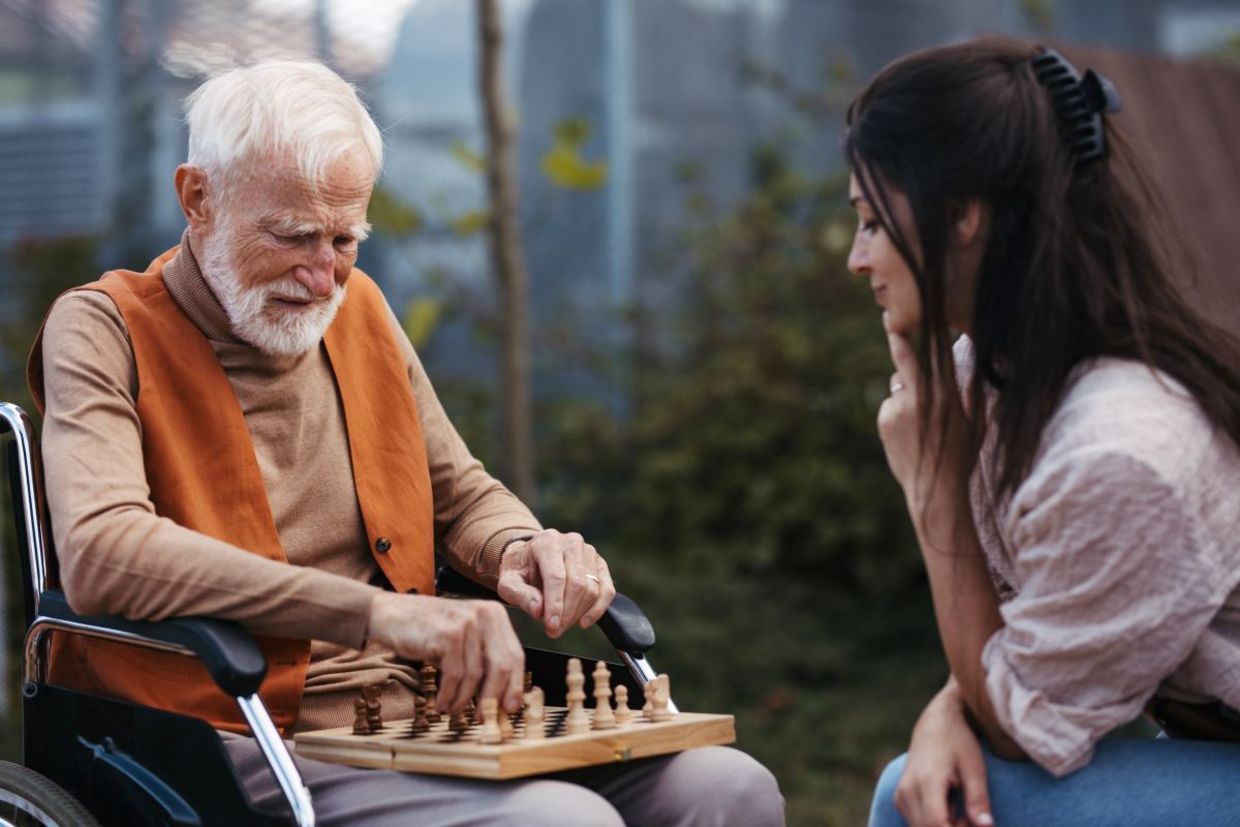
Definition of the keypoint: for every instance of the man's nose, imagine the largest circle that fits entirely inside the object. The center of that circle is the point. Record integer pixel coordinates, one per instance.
(318, 273)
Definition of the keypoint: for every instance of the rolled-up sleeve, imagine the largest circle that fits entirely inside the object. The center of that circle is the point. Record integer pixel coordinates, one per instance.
(1115, 592)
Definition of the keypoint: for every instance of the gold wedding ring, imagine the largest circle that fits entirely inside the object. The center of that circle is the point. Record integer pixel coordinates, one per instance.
(594, 578)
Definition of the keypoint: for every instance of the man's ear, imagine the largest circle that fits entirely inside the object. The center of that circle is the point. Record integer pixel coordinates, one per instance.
(968, 223)
(195, 197)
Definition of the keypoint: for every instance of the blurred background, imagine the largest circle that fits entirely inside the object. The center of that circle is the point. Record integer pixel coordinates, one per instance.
(702, 372)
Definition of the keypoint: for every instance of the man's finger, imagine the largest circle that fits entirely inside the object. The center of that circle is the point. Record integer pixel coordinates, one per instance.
(472, 674)
(514, 591)
(579, 592)
(550, 562)
(606, 594)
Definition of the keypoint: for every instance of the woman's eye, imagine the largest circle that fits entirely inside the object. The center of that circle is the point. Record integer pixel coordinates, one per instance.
(870, 226)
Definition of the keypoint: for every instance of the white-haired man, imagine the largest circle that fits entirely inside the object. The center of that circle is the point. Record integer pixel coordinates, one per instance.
(249, 402)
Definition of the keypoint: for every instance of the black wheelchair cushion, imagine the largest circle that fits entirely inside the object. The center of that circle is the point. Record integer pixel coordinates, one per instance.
(227, 650)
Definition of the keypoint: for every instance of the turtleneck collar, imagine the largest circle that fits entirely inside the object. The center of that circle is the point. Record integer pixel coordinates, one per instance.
(193, 295)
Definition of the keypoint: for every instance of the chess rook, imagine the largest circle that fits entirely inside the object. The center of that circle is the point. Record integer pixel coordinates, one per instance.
(662, 694)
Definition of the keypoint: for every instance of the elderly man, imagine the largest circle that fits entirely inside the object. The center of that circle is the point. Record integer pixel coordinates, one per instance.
(243, 431)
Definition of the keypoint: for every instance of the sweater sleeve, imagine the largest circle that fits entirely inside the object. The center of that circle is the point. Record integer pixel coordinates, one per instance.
(475, 514)
(117, 556)
(1115, 592)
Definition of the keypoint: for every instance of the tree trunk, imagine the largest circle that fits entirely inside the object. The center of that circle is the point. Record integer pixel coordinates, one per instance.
(507, 258)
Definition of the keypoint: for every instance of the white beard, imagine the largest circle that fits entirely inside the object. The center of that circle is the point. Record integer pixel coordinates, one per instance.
(253, 317)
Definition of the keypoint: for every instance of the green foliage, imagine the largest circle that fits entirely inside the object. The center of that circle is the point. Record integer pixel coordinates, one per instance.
(751, 445)
(389, 214)
(564, 165)
(420, 319)
(1039, 14)
(466, 157)
(42, 269)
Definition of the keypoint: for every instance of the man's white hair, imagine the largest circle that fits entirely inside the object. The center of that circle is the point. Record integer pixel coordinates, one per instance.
(278, 109)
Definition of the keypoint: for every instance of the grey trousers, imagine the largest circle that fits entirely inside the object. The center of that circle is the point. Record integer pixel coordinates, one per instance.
(707, 786)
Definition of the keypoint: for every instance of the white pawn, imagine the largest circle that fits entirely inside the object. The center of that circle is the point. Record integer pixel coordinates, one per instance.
(576, 721)
(624, 715)
(534, 728)
(648, 691)
(491, 733)
(662, 694)
(604, 718)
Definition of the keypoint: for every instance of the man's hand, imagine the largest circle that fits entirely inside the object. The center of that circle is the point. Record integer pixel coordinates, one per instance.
(556, 578)
(471, 641)
(944, 755)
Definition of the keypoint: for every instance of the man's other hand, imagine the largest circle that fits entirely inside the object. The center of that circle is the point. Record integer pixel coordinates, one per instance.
(556, 578)
(471, 641)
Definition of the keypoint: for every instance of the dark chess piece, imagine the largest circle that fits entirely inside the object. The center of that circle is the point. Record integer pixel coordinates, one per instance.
(420, 722)
(374, 710)
(430, 690)
(360, 726)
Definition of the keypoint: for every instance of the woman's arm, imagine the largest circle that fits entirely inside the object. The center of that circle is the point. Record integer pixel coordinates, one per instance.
(935, 489)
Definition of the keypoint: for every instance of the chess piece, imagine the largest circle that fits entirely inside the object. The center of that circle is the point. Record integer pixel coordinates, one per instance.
(648, 691)
(529, 682)
(624, 715)
(420, 721)
(360, 726)
(374, 710)
(534, 714)
(663, 694)
(458, 723)
(577, 721)
(471, 712)
(431, 690)
(491, 733)
(604, 718)
(506, 728)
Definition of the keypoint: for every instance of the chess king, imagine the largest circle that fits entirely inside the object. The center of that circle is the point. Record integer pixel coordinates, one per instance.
(243, 431)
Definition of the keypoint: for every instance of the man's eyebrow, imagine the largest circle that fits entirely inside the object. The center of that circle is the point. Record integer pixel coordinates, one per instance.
(290, 226)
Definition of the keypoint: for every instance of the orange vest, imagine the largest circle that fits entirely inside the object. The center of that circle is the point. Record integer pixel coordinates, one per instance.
(203, 475)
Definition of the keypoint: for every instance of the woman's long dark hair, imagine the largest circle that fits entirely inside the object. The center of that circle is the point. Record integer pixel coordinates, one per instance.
(1076, 264)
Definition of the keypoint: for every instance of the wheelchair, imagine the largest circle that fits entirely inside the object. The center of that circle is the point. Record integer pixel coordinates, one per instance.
(90, 760)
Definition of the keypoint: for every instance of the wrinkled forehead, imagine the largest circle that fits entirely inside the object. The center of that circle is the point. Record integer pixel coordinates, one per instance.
(280, 184)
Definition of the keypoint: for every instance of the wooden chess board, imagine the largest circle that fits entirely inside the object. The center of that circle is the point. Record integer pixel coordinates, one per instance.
(441, 751)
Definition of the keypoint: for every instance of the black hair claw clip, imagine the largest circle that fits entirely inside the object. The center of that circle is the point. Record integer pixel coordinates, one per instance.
(1079, 102)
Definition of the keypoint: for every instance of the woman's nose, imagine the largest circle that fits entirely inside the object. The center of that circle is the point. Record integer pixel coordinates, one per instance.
(858, 257)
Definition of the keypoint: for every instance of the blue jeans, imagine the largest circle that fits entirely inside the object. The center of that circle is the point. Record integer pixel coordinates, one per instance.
(1131, 782)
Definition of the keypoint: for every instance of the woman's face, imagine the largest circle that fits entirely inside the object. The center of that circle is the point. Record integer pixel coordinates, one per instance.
(874, 256)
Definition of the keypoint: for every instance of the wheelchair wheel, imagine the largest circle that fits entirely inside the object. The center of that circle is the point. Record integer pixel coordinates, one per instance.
(28, 799)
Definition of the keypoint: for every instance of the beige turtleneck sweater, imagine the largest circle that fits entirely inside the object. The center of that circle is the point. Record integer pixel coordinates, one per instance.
(117, 556)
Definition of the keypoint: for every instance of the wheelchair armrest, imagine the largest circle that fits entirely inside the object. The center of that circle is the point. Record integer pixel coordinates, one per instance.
(227, 650)
(624, 623)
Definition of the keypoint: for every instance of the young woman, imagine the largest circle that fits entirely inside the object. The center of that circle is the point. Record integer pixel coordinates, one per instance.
(1071, 465)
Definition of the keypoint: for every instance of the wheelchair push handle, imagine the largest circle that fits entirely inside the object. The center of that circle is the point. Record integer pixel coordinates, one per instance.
(624, 623)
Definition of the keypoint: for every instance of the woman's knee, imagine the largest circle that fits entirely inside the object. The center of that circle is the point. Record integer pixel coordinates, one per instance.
(555, 804)
(726, 786)
(883, 812)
